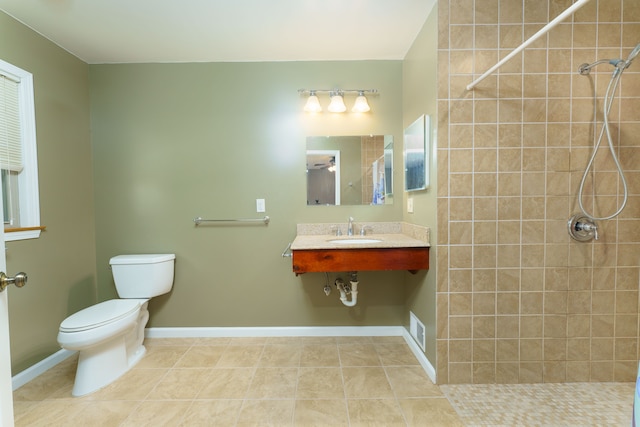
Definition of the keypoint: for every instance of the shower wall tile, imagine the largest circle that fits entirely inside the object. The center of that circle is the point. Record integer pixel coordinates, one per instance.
(518, 300)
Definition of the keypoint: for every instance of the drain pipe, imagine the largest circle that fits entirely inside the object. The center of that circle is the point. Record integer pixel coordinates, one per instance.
(348, 289)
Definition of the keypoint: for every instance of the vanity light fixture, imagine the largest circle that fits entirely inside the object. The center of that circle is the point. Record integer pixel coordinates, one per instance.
(313, 104)
(337, 104)
(361, 105)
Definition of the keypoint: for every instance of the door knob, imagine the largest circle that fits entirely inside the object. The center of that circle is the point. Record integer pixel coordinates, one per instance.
(20, 279)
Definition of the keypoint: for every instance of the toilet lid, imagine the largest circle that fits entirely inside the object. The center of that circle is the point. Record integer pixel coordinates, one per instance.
(99, 314)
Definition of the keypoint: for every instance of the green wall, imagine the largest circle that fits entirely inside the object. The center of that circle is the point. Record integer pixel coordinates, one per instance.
(175, 141)
(420, 83)
(129, 154)
(61, 263)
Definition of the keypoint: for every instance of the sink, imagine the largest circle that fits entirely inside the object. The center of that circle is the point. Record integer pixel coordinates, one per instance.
(354, 241)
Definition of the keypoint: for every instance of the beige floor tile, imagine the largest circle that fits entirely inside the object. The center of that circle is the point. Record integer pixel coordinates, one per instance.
(321, 413)
(284, 340)
(64, 392)
(22, 408)
(354, 340)
(395, 390)
(161, 356)
(180, 384)
(227, 383)
(375, 412)
(320, 383)
(366, 383)
(319, 340)
(358, 355)
(221, 341)
(248, 341)
(105, 414)
(317, 355)
(206, 413)
(51, 413)
(48, 383)
(134, 385)
(201, 357)
(237, 356)
(266, 413)
(397, 340)
(157, 414)
(436, 412)
(411, 381)
(280, 355)
(273, 383)
(396, 355)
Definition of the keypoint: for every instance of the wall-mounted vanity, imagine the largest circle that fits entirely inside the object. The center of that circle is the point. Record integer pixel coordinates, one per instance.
(384, 246)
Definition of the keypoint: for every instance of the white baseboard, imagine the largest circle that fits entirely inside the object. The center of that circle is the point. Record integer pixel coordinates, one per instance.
(39, 368)
(293, 331)
(313, 331)
(422, 358)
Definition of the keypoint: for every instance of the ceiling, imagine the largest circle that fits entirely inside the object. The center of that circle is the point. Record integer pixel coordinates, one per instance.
(123, 31)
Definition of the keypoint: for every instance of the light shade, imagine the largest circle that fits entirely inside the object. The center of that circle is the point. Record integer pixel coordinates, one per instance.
(337, 103)
(361, 105)
(313, 104)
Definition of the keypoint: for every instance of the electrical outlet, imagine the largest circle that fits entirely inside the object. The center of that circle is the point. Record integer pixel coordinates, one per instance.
(260, 206)
(410, 205)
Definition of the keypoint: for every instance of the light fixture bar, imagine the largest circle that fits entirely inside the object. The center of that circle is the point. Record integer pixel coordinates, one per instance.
(337, 100)
(343, 91)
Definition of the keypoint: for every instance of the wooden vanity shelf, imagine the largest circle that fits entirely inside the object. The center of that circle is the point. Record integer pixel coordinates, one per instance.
(360, 259)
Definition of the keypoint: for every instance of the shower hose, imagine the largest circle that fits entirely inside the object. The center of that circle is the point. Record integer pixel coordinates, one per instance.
(606, 130)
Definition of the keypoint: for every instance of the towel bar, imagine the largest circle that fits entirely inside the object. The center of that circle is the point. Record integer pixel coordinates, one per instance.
(200, 220)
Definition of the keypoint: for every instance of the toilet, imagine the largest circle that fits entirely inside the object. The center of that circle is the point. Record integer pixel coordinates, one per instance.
(108, 336)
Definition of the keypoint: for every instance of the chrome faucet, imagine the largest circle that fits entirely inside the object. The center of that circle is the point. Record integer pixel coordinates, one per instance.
(350, 227)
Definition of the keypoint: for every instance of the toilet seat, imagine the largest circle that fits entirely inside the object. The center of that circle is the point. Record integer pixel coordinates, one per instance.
(100, 314)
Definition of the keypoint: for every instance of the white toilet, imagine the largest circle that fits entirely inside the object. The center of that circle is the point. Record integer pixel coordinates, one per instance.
(109, 335)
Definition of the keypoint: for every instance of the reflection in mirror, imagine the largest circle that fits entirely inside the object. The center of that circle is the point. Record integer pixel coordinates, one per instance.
(416, 173)
(349, 170)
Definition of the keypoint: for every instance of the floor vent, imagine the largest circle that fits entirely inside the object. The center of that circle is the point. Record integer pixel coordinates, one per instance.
(416, 329)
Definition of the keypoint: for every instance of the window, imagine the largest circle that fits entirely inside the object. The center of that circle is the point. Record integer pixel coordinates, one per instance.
(18, 154)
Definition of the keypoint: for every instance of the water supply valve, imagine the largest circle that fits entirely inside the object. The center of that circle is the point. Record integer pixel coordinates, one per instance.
(582, 228)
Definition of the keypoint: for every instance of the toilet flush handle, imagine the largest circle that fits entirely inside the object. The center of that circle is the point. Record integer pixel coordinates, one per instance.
(20, 279)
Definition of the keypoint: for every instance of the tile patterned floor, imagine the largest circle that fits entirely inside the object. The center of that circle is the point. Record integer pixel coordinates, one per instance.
(249, 382)
(577, 404)
(307, 381)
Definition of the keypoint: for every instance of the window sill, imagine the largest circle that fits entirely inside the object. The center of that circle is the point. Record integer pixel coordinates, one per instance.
(22, 233)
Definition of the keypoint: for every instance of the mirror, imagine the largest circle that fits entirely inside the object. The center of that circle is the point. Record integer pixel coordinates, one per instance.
(416, 160)
(350, 170)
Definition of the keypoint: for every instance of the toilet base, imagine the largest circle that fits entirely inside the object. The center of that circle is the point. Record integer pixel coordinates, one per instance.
(99, 366)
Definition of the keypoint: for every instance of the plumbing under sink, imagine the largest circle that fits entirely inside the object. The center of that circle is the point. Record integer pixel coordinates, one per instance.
(354, 241)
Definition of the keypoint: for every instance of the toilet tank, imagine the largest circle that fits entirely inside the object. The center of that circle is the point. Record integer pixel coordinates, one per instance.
(144, 275)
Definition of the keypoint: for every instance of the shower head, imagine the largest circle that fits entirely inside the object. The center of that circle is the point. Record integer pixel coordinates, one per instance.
(623, 65)
(619, 64)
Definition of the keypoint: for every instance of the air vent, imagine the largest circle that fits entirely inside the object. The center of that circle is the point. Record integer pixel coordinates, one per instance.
(416, 329)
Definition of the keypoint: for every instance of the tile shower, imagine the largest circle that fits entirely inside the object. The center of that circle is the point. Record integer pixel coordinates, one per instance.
(518, 301)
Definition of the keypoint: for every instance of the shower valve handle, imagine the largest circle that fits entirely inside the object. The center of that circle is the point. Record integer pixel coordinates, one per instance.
(582, 228)
(588, 227)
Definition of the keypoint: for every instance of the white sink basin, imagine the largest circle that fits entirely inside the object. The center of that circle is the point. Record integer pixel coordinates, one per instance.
(354, 241)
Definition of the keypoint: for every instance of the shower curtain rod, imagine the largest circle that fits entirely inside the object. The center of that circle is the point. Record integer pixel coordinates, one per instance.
(564, 15)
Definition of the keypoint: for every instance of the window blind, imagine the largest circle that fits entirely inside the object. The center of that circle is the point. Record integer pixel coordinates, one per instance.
(10, 134)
